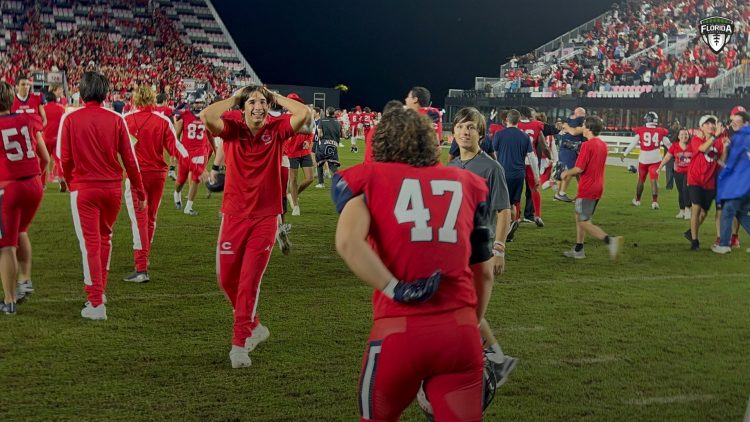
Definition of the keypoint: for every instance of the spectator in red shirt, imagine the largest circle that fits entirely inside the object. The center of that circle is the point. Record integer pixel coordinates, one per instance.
(252, 205)
(21, 193)
(704, 167)
(590, 165)
(91, 139)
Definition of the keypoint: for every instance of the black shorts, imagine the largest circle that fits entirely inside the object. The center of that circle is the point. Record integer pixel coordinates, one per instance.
(701, 196)
(515, 188)
(298, 162)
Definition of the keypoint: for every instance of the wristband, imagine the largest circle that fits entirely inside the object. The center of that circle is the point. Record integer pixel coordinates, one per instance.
(389, 289)
(498, 253)
(215, 168)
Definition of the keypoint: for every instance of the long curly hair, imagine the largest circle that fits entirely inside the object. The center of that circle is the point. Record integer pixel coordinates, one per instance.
(405, 136)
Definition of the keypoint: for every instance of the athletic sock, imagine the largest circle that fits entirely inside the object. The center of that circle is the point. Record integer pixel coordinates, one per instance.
(638, 198)
(177, 197)
(606, 239)
(561, 193)
(579, 247)
(188, 206)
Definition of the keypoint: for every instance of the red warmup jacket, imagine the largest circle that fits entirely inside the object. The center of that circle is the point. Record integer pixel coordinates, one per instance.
(89, 142)
(154, 133)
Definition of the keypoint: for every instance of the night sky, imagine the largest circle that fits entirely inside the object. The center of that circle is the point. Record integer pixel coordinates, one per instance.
(381, 48)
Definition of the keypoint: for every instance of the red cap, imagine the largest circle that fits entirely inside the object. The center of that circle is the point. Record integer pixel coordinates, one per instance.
(737, 109)
(295, 97)
(358, 108)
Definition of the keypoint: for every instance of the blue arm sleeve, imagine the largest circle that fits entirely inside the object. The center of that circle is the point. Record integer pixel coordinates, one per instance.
(340, 192)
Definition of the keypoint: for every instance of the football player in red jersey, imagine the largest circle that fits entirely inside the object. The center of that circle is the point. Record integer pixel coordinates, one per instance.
(23, 156)
(367, 122)
(419, 234)
(251, 205)
(535, 129)
(91, 138)
(26, 101)
(419, 99)
(54, 112)
(650, 137)
(355, 124)
(299, 150)
(192, 134)
(152, 133)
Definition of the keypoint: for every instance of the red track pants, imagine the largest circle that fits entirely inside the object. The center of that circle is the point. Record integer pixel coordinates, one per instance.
(143, 223)
(242, 255)
(94, 213)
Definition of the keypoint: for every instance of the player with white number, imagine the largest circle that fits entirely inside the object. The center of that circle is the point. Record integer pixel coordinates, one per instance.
(534, 128)
(650, 137)
(419, 234)
(192, 134)
(24, 155)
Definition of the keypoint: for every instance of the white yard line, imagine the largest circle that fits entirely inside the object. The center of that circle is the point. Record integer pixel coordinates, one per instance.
(648, 401)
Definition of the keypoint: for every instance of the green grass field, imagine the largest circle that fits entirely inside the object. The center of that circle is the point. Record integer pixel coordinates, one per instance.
(660, 335)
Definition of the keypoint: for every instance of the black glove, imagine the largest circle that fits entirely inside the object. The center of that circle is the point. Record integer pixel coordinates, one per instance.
(417, 291)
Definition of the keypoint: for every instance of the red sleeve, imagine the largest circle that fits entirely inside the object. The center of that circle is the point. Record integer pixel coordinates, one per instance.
(583, 159)
(673, 148)
(356, 178)
(231, 131)
(284, 127)
(63, 150)
(125, 148)
(173, 146)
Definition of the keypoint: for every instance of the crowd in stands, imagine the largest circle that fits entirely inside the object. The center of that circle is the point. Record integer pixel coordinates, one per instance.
(604, 55)
(157, 56)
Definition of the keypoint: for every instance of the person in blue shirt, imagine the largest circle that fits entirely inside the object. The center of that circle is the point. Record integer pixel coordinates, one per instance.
(513, 147)
(733, 184)
(570, 144)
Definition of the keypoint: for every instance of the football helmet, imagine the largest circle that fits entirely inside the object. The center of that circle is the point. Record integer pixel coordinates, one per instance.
(651, 117)
(490, 386)
(218, 185)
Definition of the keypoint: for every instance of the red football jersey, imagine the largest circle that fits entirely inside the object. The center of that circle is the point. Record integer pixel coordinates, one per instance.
(165, 110)
(422, 219)
(494, 128)
(54, 112)
(704, 166)
(194, 136)
(91, 138)
(367, 119)
(592, 159)
(154, 133)
(19, 159)
(252, 187)
(29, 105)
(650, 138)
(437, 120)
(532, 128)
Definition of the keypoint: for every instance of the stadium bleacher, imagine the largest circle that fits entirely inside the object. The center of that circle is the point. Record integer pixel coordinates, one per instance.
(161, 42)
(644, 47)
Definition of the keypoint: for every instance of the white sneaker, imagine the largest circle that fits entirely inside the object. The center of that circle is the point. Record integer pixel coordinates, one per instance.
(96, 313)
(680, 214)
(636, 202)
(282, 237)
(295, 210)
(575, 254)
(615, 247)
(260, 334)
(688, 214)
(25, 287)
(721, 249)
(320, 186)
(327, 174)
(654, 205)
(239, 357)
(289, 198)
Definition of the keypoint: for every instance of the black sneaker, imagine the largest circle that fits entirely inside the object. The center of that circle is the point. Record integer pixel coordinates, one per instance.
(8, 308)
(512, 232)
(688, 235)
(539, 222)
(695, 246)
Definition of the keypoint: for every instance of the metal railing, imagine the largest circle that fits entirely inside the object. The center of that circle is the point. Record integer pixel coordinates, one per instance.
(726, 83)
